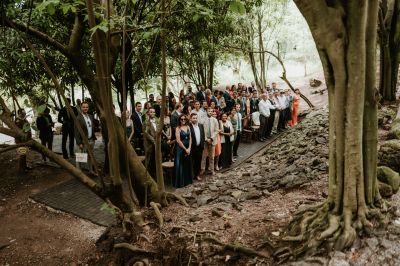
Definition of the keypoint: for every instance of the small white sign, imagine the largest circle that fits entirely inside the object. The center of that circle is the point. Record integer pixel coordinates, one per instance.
(81, 157)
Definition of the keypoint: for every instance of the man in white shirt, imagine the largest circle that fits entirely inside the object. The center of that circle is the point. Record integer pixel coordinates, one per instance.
(202, 114)
(283, 105)
(278, 109)
(239, 129)
(197, 133)
(86, 121)
(264, 107)
(196, 108)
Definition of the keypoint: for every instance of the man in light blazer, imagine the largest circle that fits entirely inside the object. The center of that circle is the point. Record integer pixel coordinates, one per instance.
(86, 121)
(149, 135)
(211, 129)
(197, 133)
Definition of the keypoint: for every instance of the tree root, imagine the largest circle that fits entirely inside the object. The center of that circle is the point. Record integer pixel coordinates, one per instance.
(156, 207)
(131, 219)
(333, 227)
(318, 229)
(177, 197)
(236, 248)
(134, 249)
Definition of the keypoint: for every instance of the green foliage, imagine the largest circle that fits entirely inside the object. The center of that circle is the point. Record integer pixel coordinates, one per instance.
(237, 7)
(107, 208)
(26, 128)
(41, 108)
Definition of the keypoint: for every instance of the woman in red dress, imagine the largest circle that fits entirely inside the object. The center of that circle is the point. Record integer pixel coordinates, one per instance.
(296, 104)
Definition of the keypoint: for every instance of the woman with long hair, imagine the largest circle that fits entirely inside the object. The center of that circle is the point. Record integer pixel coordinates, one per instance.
(227, 138)
(181, 96)
(295, 107)
(217, 147)
(171, 101)
(183, 159)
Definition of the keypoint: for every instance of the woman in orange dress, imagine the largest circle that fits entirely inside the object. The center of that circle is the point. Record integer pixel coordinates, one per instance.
(296, 104)
(218, 147)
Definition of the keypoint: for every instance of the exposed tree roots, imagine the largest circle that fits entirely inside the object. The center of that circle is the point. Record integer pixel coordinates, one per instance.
(156, 207)
(317, 230)
(173, 196)
(132, 248)
(236, 248)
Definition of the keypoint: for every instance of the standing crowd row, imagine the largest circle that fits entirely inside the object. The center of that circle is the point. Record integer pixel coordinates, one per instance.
(202, 130)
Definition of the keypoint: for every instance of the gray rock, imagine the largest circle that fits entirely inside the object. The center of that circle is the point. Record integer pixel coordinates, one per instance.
(291, 168)
(224, 207)
(195, 218)
(219, 183)
(236, 194)
(213, 188)
(203, 200)
(266, 193)
(227, 199)
(372, 243)
(255, 194)
(216, 213)
(387, 244)
(338, 259)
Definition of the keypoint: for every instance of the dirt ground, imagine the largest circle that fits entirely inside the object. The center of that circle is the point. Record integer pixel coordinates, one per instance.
(32, 234)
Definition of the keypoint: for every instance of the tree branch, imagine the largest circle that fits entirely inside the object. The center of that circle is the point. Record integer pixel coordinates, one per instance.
(16, 146)
(38, 34)
(7, 131)
(77, 32)
(115, 32)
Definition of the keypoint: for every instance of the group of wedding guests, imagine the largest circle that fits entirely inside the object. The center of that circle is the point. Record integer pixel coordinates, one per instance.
(202, 130)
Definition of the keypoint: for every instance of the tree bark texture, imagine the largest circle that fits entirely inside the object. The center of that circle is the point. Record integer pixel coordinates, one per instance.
(389, 42)
(346, 44)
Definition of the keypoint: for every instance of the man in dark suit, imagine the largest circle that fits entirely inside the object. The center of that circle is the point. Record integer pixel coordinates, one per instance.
(254, 103)
(149, 134)
(86, 121)
(175, 118)
(138, 128)
(45, 125)
(198, 137)
(68, 129)
(201, 94)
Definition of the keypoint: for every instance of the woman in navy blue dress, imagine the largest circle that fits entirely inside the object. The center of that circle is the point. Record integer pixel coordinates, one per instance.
(183, 158)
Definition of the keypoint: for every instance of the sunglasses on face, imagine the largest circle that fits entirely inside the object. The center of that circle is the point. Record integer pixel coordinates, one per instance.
(183, 119)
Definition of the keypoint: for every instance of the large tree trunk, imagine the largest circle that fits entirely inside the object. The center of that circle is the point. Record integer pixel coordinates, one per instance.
(117, 148)
(346, 44)
(389, 35)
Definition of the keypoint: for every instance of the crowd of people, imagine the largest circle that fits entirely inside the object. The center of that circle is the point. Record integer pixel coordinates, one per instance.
(202, 130)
